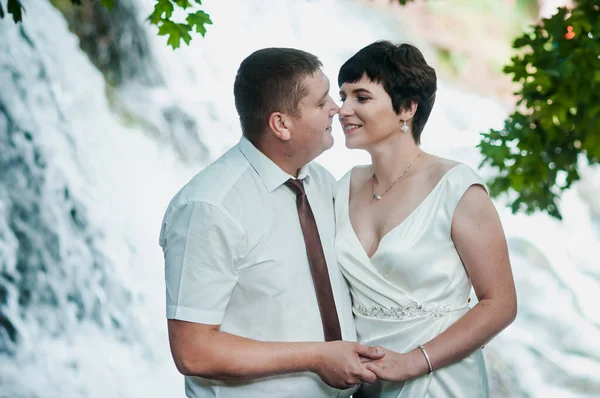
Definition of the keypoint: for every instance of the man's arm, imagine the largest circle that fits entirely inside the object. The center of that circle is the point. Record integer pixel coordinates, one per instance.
(205, 351)
(202, 244)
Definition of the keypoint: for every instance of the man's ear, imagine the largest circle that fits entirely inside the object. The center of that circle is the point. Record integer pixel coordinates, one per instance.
(279, 124)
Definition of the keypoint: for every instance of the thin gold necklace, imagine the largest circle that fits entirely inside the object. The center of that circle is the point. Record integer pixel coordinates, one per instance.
(378, 197)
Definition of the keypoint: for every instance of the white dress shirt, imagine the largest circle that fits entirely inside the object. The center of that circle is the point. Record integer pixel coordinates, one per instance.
(235, 256)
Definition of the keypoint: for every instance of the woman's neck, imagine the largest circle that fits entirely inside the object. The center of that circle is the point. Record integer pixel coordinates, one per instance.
(392, 157)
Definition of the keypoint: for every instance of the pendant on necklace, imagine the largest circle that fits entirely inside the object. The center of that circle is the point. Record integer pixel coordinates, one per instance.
(375, 196)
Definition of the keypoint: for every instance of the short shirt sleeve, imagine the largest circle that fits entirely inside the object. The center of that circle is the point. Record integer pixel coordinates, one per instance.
(461, 179)
(201, 245)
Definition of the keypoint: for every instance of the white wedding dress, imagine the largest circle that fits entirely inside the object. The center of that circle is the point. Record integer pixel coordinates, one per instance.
(413, 288)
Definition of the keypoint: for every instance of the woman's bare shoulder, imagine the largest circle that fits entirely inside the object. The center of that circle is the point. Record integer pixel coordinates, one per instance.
(361, 172)
(359, 176)
(438, 167)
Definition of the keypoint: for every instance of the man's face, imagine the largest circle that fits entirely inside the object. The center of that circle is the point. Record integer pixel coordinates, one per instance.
(311, 130)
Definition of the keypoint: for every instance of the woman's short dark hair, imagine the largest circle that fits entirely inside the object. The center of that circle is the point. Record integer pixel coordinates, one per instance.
(271, 80)
(404, 74)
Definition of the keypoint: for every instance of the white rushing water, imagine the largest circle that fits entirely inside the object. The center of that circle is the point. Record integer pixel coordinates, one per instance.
(84, 182)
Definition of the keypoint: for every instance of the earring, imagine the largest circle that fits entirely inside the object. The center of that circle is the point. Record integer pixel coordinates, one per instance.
(405, 128)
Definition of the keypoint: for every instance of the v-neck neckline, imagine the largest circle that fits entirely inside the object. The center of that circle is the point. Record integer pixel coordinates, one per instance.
(397, 226)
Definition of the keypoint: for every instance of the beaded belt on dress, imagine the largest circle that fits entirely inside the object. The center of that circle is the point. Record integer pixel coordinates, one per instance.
(413, 310)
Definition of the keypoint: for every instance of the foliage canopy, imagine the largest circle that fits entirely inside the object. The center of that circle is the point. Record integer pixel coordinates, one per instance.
(556, 121)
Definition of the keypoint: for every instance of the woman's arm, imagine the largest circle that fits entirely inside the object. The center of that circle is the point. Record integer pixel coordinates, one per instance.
(479, 239)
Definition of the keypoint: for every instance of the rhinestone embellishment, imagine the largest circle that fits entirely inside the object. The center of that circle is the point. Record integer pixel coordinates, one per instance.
(413, 310)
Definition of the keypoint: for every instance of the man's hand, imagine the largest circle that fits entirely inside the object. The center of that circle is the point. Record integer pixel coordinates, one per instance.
(340, 363)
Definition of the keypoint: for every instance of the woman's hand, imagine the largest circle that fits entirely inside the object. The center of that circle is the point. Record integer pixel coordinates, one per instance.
(399, 367)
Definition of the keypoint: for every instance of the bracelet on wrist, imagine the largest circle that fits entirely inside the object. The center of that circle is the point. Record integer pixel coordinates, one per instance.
(426, 357)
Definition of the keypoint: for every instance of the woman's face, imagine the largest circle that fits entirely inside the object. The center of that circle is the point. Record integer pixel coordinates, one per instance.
(367, 115)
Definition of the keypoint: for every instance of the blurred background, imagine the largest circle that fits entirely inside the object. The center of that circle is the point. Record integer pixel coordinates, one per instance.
(101, 122)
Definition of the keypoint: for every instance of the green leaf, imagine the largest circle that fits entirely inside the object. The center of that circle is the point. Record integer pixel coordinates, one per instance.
(182, 3)
(162, 7)
(176, 33)
(108, 4)
(522, 41)
(1, 11)
(15, 8)
(199, 19)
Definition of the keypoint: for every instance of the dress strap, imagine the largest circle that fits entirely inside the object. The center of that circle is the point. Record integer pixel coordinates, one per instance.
(457, 184)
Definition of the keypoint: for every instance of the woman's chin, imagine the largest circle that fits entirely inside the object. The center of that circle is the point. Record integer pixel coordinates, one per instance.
(352, 144)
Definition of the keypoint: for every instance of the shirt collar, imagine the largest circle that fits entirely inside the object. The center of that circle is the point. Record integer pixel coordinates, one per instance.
(271, 174)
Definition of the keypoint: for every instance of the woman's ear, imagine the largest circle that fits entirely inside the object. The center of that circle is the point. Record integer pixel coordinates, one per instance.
(409, 112)
(279, 124)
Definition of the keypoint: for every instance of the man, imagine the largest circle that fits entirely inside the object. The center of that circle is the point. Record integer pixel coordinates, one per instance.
(253, 287)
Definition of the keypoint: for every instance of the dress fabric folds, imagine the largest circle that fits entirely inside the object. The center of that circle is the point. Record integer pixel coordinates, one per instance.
(413, 288)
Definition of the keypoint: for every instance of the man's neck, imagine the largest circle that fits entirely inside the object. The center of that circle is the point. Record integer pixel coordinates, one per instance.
(280, 154)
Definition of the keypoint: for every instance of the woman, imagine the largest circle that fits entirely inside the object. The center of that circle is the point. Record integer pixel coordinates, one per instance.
(415, 233)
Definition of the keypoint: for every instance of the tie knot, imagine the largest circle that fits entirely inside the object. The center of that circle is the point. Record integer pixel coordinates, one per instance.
(296, 186)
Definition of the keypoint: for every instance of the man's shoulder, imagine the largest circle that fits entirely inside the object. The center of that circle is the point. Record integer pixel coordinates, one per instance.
(321, 175)
(211, 185)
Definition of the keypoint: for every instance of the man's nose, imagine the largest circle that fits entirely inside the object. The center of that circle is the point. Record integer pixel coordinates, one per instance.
(334, 108)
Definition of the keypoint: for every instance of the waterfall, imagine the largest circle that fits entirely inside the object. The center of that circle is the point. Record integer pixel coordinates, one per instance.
(90, 160)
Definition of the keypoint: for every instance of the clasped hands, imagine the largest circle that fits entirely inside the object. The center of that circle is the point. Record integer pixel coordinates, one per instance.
(344, 364)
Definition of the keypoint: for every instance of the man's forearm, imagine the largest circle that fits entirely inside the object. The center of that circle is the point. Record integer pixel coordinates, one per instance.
(223, 356)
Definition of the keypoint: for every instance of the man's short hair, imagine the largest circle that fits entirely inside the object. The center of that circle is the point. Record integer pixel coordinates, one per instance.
(271, 80)
(402, 71)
